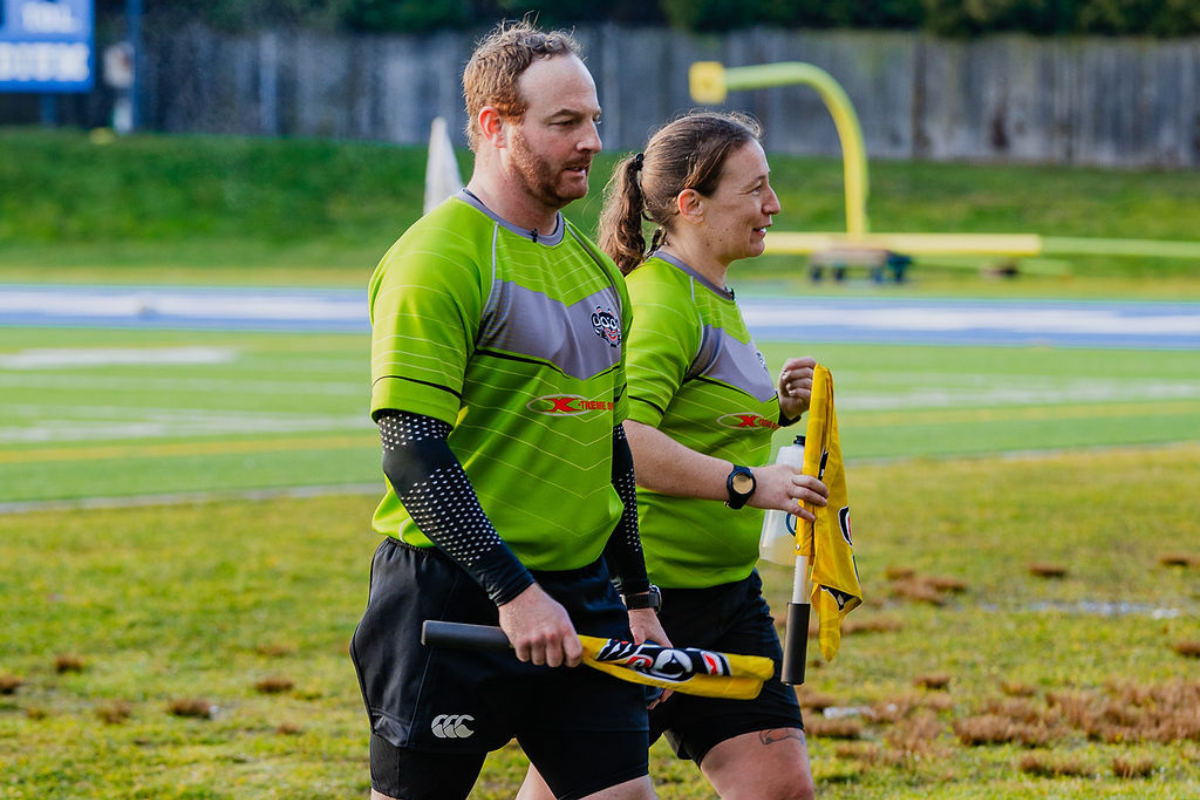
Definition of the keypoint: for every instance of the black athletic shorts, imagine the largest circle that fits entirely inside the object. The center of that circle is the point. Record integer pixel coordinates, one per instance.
(435, 712)
(731, 618)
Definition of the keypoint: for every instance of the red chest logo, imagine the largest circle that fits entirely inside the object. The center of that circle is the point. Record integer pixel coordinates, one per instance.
(747, 420)
(566, 405)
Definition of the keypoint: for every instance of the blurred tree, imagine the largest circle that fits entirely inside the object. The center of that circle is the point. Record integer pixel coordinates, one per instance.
(557, 12)
(409, 16)
(977, 17)
(1131, 17)
(1163, 18)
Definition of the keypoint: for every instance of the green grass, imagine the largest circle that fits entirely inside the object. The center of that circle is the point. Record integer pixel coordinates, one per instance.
(194, 209)
(205, 601)
(291, 409)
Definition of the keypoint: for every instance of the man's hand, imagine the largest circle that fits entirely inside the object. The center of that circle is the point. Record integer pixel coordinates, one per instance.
(540, 629)
(644, 624)
(795, 386)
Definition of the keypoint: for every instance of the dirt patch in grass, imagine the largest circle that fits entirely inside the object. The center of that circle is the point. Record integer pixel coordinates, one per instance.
(1129, 768)
(66, 662)
(822, 728)
(194, 707)
(274, 684)
(1189, 648)
(1046, 766)
(275, 649)
(1013, 689)
(114, 712)
(1050, 571)
(934, 681)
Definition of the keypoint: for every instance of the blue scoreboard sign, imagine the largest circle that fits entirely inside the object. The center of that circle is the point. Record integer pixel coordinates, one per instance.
(46, 45)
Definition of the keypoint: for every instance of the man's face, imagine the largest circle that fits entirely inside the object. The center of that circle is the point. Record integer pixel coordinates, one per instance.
(551, 148)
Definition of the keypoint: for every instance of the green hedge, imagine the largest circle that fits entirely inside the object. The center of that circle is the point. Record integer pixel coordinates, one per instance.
(955, 18)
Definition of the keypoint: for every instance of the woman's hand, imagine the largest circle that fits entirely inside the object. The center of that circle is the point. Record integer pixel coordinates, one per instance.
(795, 386)
(782, 487)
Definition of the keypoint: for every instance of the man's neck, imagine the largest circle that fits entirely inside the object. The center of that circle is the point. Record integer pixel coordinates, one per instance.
(512, 204)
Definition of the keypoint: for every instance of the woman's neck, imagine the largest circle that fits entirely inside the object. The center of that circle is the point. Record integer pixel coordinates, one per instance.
(698, 257)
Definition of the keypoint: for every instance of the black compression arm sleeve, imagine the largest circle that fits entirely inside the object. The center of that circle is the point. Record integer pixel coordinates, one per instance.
(436, 492)
(624, 550)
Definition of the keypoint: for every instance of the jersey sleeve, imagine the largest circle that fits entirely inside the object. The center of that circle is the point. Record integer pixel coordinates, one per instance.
(662, 343)
(621, 379)
(426, 303)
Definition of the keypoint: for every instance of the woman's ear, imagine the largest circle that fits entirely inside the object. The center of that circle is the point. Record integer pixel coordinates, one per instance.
(691, 206)
(491, 126)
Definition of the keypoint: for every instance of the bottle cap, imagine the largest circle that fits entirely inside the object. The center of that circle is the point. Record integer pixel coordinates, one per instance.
(799, 440)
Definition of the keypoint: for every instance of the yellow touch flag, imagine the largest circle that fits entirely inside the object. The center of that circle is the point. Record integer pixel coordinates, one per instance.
(827, 542)
(690, 670)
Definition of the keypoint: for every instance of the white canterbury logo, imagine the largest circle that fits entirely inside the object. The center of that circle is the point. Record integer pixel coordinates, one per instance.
(452, 726)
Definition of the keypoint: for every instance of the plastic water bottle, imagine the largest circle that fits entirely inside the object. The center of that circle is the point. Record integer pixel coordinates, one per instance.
(778, 541)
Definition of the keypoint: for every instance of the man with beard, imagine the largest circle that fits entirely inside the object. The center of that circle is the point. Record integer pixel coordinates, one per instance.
(498, 384)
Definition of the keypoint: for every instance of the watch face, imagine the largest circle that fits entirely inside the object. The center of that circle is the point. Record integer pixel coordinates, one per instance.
(743, 483)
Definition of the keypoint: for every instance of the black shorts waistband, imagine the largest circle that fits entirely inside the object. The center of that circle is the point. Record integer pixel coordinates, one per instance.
(540, 575)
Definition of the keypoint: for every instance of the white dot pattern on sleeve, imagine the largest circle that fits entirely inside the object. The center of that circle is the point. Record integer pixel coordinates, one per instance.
(627, 490)
(396, 431)
(446, 510)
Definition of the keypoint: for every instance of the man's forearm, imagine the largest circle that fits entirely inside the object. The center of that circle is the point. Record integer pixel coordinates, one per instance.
(624, 550)
(436, 492)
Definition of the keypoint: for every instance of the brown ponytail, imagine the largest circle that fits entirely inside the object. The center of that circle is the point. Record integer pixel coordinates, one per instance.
(621, 220)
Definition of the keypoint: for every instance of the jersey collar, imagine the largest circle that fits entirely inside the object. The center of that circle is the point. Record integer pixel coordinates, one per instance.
(538, 237)
(725, 292)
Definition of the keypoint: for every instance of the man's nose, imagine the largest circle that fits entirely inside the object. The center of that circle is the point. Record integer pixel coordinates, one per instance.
(591, 141)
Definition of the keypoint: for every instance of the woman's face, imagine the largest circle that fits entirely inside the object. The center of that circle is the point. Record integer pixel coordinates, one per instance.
(739, 212)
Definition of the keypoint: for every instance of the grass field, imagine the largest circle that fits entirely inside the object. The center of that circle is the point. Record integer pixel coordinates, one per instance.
(275, 410)
(1026, 518)
(199, 651)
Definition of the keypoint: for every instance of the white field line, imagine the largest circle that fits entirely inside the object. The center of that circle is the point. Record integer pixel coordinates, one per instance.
(940, 318)
(197, 305)
(189, 498)
(1023, 392)
(190, 385)
(83, 423)
(57, 358)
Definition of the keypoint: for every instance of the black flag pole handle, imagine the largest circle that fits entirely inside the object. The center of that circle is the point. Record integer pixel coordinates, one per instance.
(795, 642)
(436, 633)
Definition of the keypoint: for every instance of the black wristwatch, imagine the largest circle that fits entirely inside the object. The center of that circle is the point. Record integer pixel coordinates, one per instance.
(741, 485)
(651, 599)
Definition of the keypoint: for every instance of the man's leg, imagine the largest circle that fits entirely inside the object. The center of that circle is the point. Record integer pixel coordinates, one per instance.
(609, 765)
(762, 765)
(401, 774)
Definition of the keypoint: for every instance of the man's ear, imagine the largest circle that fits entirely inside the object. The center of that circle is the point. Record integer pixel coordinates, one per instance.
(691, 206)
(491, 126)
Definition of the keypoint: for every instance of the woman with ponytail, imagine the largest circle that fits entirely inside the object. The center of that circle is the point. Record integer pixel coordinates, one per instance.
(703, 406)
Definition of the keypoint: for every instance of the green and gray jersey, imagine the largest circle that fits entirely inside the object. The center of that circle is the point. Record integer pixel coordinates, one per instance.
(515, 339)
(696, 375)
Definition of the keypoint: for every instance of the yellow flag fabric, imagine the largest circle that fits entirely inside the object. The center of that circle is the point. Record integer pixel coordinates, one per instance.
(827, 542)
(685, 669)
